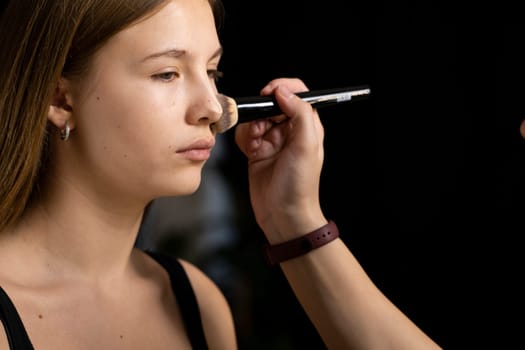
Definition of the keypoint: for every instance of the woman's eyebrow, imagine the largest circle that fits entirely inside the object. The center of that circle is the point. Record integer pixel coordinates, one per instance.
(178, 53)
(169, 53)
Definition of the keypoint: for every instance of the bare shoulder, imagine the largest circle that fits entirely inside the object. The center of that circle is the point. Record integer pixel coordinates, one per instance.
(4, 345)
(215, 310)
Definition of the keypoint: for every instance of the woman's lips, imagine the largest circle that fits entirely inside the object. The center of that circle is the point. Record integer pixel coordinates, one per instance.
(199, 150)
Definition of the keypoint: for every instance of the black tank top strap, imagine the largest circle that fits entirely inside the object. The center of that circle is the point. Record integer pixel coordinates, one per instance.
(186, 298)
(14, 328)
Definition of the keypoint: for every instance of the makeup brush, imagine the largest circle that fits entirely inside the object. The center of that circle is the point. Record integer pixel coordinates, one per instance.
(230, 115)
(245, 109)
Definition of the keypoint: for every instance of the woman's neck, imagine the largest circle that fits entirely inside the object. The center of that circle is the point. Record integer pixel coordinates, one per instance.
(70, 235)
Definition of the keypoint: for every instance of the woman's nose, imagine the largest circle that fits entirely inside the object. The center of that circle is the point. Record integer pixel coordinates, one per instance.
(208, 108)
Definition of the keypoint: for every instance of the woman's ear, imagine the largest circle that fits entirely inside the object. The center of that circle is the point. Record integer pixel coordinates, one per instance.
(61, 108)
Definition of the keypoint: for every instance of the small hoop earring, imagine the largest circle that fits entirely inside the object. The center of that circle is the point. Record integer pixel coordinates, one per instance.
(64, 133)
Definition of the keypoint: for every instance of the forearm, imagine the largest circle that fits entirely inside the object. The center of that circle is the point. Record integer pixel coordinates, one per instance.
(285, 159)
(347, 309)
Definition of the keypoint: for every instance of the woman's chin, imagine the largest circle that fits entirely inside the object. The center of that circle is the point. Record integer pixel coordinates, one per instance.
(187, 188)
(177, 185)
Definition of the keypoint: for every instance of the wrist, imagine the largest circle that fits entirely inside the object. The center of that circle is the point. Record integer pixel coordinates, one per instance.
(283, 227)
(299, 246)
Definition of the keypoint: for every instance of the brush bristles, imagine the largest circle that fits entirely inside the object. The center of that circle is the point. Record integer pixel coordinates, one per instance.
(229, 117)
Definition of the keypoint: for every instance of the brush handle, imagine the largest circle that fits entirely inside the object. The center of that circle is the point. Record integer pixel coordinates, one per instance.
(257, 107)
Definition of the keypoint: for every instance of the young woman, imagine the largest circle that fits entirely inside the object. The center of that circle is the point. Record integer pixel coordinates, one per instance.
(106, 105)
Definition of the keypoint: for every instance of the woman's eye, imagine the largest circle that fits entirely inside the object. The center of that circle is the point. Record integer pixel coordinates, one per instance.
(215, 74)
(165, 76)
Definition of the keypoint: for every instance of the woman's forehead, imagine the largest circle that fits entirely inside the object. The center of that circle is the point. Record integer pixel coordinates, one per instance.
(180, 25)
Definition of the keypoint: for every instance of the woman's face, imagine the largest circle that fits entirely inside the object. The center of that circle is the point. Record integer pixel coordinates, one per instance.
(142, 114)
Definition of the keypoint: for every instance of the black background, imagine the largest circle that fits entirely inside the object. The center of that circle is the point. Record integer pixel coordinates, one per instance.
(424, 179)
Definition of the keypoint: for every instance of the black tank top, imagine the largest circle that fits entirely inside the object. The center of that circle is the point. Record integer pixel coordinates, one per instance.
(180, 284)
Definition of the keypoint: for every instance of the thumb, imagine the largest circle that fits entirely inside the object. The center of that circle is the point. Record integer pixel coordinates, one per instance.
(294, 107)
